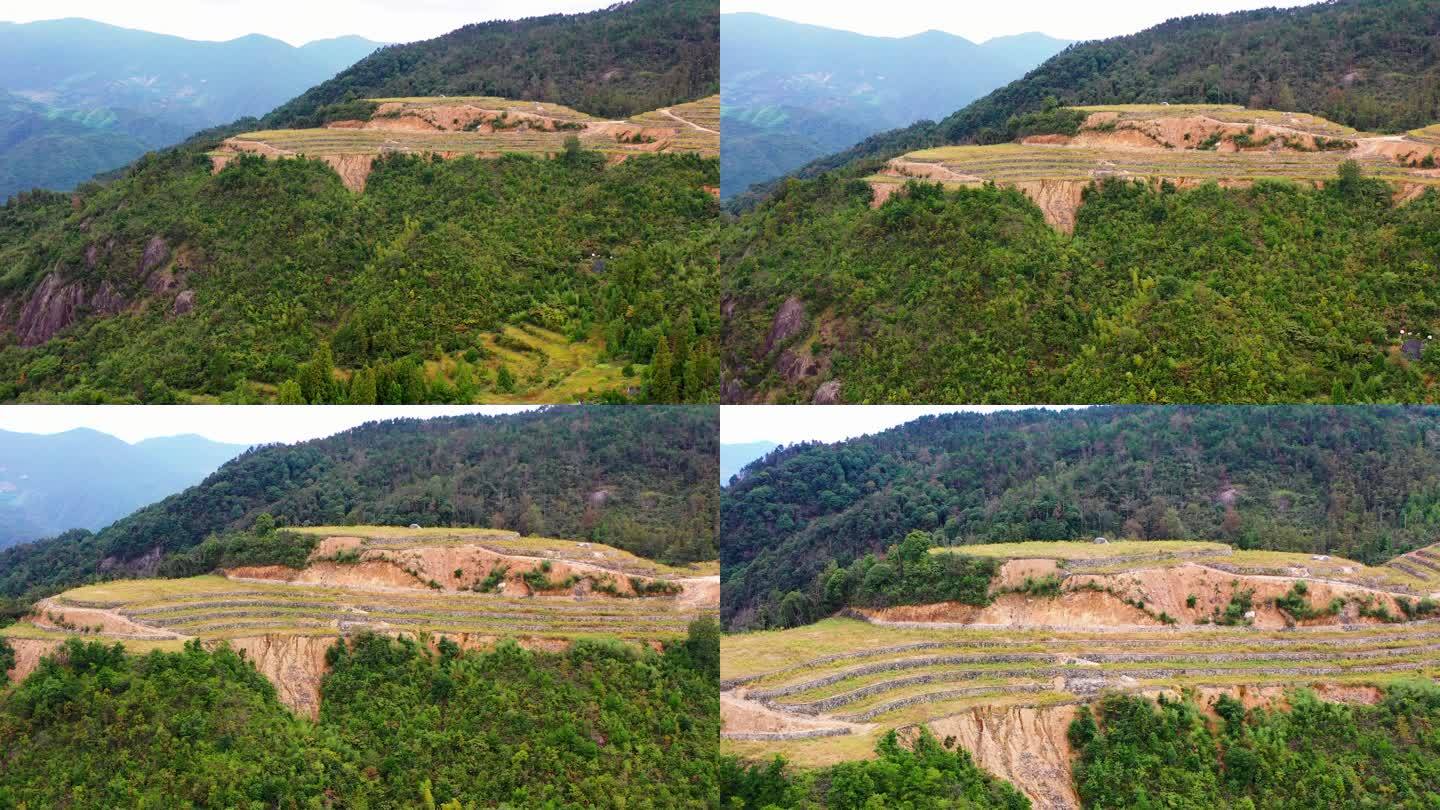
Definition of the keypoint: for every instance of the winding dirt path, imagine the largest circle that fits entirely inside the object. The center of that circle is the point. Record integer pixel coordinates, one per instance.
(666, 112)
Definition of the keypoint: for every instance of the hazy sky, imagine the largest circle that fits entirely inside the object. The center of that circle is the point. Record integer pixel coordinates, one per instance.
(236, 424)
(979, 21)
(294, 21)
(787, 424)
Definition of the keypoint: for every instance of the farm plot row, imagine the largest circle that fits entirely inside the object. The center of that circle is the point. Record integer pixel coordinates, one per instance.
(1019, 163)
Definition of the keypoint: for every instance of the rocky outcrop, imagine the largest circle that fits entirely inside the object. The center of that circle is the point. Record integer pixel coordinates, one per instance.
(56, 304)
(827, 394)
(788, 322)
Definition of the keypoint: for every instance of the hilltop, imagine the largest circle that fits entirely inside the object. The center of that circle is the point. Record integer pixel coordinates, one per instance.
(567, 471)
(1346, 482)
(304, 655)
(451, 127)
(1066, 626)
(1364, 64)
(619, 61)
(1183, 145)
(473, 587)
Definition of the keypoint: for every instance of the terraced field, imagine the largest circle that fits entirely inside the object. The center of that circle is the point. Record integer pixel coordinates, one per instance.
(1005, 680)
(548, 368)
(1187, 145)
(481, 127)
(473, 586)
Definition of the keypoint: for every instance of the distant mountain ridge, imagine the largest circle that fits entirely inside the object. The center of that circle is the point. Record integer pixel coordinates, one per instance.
(84, 479)
(794, 92)
(735, 457)
(79, 97)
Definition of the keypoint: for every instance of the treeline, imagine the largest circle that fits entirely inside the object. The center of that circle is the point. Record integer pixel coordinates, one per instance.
(615, 62)
(273, 281)
(642, 479)
(602, 725)
(1135, 752)
(1370, 64)
(907, 574)
(1359, 482)
(930, 775)
(1277, 293)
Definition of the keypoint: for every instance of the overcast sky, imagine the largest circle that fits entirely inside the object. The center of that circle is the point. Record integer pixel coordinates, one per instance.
(787, 424)
(233, 424)
(294, 21)
(979, 21)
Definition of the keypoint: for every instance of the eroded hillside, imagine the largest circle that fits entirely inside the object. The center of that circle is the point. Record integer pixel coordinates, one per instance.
(1065, 624)
(1184, 145)
(474, 587)
(481, 127)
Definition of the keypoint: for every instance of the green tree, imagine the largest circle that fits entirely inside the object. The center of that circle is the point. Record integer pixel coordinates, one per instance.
(362, 387)
(662, 385)
(291, 394)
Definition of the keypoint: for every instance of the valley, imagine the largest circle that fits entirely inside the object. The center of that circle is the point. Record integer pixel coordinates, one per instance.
(1067, 624)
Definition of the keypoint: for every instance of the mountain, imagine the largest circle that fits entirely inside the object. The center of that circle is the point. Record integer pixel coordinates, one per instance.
(83, 479)
(402, 258)
(642, 479)
(1368, 64)
(734, 457)
(798, 92)
(78, 98)
(1357, 482)
(631, 57)
(1121, 226)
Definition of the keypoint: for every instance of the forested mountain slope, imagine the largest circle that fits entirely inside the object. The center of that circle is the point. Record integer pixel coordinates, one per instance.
(1370, 64)
(38, 475)
(534, 269)
(78, 97)
(402, 725)
(1361, 483)
(631, 57)
(639, 479)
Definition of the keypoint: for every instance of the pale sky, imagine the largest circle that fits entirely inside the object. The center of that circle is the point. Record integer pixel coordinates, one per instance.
(231, 424)
(788, 424)
(294, 21)
(979, 21)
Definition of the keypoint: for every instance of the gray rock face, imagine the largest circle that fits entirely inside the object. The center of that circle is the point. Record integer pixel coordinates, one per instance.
(157, 252)
(827, 394)
(185, 302)
(788, 323)
(55, 304)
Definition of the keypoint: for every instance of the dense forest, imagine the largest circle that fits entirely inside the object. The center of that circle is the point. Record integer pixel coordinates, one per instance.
(1358, 482)
(625, 59)
(929, 775)
(642, 479)
(602, 725)
(1277, 293)
(1137, 753)
(1371, 64)
(262, 281)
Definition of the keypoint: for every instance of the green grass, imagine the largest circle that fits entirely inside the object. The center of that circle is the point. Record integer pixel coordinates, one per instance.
(1083, 549)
